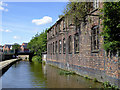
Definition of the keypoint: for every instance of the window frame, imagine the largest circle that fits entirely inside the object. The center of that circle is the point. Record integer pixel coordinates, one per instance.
(70, 44)
(60, 47)
(76, 43)
(95, 38)
(64, 46)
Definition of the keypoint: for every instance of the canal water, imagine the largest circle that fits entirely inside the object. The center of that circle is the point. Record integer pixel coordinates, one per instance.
(24, 74)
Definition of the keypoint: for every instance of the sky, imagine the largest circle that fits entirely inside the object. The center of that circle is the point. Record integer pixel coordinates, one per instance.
(22, 20)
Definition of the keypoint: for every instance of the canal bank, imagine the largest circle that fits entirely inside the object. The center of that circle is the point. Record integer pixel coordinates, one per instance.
(4, 65)
(93, 74)
(26, 74)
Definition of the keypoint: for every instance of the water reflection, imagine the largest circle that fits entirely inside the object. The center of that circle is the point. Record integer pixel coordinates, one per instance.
(35, 75)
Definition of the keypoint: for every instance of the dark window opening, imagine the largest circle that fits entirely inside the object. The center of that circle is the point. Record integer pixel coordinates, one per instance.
(76, 43)
(64, 46)
(70, 44)
(95, 38)
(60, 47)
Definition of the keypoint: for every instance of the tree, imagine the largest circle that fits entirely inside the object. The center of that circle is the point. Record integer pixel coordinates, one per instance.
(16, 48)
(111, 26)
(77, 10)
(38, 44)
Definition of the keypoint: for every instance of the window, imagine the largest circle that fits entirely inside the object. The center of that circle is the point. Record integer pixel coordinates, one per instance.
(78, 28)
(60, 47)
(76, 43)
(95, 4)
(53, 47)
(60, 27)
(70, 44)
(95, 38)
(56, 47)
(64, 46)
(63, 24)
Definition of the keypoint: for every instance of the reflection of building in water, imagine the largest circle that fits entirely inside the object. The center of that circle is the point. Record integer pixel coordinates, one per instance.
(79, 47)
(44, 56)
(44, 69)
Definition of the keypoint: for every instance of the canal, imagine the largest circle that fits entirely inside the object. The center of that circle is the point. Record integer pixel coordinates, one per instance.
(24, 74)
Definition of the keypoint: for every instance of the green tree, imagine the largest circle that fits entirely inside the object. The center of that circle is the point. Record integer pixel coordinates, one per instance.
(77, 10)
(111, 26)
(16, 48)
(38, 44)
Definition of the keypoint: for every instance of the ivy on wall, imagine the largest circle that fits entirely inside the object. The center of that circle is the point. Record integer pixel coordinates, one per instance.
(111, 26)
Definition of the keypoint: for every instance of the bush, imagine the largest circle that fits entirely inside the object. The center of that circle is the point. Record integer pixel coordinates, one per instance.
(37, 59)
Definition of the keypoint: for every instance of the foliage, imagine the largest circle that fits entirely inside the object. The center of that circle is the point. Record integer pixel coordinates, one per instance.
(77, 10)
(108, 85)
(111, 26)
(16, 47)
(38, 44)
(36, 59)
(63, 72)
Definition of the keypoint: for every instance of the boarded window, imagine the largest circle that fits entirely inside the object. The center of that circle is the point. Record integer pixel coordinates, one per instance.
(70, 44)
(64, 46)
(76, 43)
(60, 46)
(95, 38)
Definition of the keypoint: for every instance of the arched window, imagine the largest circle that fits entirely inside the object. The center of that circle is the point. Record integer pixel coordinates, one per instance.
(60, 46)
(64, 46)
(95, 38)
(70, 44)
(76, 43)
(56, 47)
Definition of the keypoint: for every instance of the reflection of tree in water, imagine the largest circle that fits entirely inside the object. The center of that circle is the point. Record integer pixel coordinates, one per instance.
(38, 78)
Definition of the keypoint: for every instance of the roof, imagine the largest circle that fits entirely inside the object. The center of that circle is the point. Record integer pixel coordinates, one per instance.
(55, 23)
(24, 45)
(7, 45)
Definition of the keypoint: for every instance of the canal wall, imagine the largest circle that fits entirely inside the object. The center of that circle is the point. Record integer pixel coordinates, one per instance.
(6, 57)
(111, 71)
(4, 65)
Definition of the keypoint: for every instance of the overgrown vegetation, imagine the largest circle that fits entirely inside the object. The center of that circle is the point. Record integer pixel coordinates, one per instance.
(63, 72)
(111, 26)
(37, 45)
(108, 85)
(77, 10)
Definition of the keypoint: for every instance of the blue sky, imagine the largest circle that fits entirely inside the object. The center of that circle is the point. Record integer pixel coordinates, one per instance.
(22, 20)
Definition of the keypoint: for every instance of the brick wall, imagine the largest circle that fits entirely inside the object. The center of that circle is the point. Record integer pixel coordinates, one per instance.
(86, 62)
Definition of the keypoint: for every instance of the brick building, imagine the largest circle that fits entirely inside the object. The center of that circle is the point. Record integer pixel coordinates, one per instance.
(7, 48)
(24, 47)
(79, 48)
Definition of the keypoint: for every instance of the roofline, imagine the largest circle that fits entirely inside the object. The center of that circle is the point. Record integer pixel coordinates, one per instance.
(55, 23)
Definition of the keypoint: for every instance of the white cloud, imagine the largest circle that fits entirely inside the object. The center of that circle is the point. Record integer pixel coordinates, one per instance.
(16, 37)
(2, 6)
(44, 20)
(7, 30)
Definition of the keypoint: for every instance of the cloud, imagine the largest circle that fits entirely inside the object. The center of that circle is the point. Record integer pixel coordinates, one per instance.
(7, 30)
(16, 37)
(44, 20)
(2, 6)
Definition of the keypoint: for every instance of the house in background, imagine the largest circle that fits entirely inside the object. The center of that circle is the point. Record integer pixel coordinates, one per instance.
(1, 48)
(24, 47)
(7, 48)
